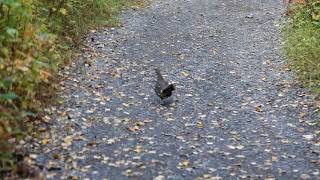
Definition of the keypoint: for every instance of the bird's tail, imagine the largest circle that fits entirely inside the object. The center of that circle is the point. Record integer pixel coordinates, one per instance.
(157, 71)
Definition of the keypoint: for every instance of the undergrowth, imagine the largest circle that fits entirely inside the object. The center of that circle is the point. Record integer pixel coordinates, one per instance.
(36, 39)
(302, 42)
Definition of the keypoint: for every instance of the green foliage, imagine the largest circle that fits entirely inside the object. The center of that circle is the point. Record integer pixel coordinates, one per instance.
(302, 42)
(36, 38)
(27, 59)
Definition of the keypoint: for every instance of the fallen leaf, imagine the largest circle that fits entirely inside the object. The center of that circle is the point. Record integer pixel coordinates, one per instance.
(160, 177)
(134, 128)
(184, 164)
(200, 125)
(138, 149)
(56, 156)
(274, 158)
(235, 147)
(259, 108)
(139, 123)
(308, 137)
(184, 74)
(67, 141)
(44, 141)
(284, 141)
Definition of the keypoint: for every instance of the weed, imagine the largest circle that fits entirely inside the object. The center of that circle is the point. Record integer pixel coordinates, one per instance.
(302, 42)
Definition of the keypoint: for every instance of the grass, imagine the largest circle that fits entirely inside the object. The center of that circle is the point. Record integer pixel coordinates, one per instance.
(37, 38)
(302, 42)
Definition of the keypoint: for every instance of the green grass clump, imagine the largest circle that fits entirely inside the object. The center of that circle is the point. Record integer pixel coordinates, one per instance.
(302, 42)
(36, 39)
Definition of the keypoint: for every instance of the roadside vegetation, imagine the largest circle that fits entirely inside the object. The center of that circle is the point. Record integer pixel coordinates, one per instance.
(36, 39)
(302, 42)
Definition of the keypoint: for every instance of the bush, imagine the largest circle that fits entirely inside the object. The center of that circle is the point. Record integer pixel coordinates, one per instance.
(302, 42)
(36, 38)
(28, 57)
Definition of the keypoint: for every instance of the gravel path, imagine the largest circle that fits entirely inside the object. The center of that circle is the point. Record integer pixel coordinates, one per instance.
(239, 113)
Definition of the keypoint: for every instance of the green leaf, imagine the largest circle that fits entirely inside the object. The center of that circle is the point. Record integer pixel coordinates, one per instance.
(6, 84)
(12, 32)
(9, 96)
(11, 3)
(41, 63)
(28, 113)
(317, 24)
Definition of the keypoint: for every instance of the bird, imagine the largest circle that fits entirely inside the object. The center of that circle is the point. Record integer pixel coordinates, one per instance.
(162, 88)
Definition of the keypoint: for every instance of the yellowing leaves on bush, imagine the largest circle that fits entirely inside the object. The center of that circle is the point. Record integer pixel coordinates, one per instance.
(63, 11)
(45, 74)
(21, 65)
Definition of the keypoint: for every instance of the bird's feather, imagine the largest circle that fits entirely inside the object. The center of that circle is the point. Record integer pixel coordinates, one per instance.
(162, 88)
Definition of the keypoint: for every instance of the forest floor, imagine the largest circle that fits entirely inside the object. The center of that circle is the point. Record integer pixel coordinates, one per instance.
(237, 112)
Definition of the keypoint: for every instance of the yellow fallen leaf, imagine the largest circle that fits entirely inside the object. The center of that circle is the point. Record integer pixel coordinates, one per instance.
(274, 158)
(200, 125)
(184, 163)
(44, 141)
(139, 123)
(42, 129)
(125, 105)
(184, 74)
(138, 149)
(67, 141)
(285, 141)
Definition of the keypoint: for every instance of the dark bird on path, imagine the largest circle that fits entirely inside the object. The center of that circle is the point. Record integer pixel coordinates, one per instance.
(163, 89)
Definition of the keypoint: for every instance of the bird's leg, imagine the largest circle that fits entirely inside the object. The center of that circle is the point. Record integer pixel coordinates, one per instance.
(161, 101)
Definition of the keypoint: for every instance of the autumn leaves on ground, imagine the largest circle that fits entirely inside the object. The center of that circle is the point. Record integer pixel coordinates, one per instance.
(237, 110)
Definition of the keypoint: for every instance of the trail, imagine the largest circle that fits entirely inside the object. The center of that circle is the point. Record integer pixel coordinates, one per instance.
(240, 114)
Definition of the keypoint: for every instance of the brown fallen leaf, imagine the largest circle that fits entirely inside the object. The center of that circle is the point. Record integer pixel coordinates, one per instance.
(259, 108)
(134, 128)
(92, 143)
(200, 125)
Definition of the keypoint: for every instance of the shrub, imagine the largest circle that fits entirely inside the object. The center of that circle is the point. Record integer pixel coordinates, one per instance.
(28, 57)
(36, 38)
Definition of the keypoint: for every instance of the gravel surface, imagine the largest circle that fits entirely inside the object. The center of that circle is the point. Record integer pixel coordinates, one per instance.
(237, 112)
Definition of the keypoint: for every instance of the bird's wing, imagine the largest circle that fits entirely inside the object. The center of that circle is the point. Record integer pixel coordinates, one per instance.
(163, 85)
